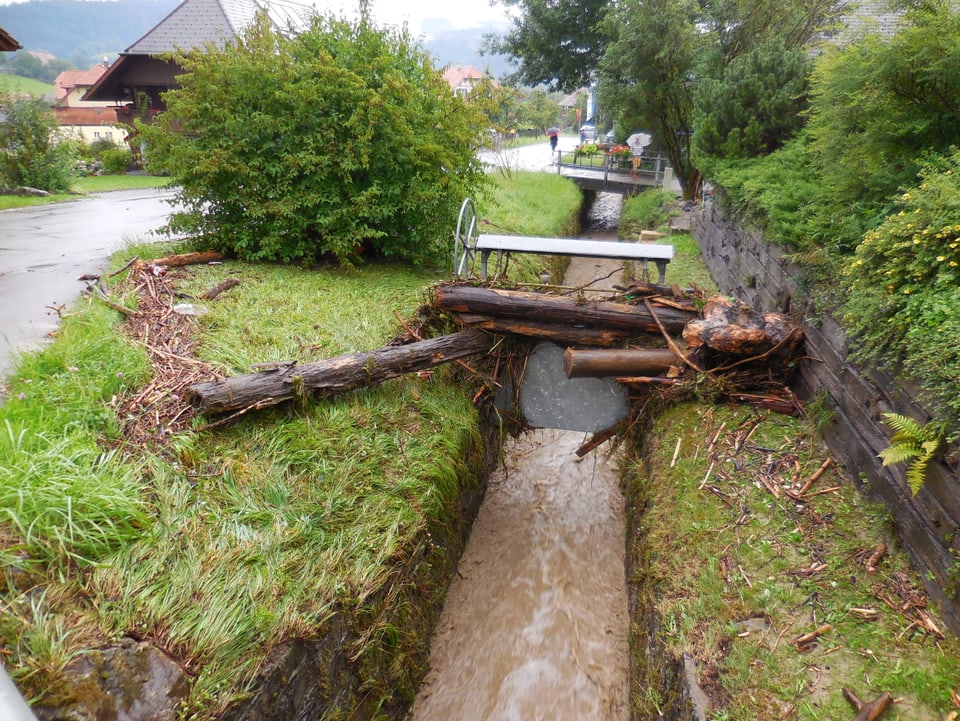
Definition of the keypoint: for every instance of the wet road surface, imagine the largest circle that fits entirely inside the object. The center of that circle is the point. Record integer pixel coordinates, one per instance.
(44, 249)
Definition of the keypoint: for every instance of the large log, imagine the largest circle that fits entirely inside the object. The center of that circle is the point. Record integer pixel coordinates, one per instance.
(559, 310)
(607, 363)
(335, 375)
(559, 334)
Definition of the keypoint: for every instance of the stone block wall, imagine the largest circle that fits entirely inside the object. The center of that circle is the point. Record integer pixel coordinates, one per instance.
(745, 265)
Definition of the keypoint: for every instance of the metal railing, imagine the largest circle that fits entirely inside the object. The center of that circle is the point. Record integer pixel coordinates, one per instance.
(646, 165)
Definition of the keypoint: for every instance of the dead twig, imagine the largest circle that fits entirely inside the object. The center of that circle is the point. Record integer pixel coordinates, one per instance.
(670, 342)
(875, 557)
(806, 641)
(94, 292)
(869, 711)
(816, 474)
(220, 288)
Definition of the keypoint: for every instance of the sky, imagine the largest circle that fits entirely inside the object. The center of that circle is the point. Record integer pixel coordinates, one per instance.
(459, 13)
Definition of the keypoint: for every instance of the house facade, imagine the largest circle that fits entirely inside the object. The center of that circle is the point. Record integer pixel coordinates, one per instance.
(136, 81)
(462, 79)
(86, 120)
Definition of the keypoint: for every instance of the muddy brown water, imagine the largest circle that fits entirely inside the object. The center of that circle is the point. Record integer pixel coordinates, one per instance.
(535, 623)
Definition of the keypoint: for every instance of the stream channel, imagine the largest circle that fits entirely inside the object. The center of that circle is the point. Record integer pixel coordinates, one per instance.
(535, 622)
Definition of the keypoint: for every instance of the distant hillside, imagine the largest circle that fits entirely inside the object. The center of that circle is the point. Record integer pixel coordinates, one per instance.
(15, 84)
(84, 33)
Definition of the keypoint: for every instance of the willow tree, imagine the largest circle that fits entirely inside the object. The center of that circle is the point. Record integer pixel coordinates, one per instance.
(342, 138)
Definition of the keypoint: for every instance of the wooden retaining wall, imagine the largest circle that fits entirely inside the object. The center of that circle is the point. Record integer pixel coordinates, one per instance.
(745, 265)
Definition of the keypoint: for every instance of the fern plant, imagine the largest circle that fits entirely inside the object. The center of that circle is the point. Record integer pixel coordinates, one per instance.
(911, 443)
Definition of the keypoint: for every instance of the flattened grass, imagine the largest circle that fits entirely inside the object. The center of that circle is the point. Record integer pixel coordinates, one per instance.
(721, 549)
(233, 539)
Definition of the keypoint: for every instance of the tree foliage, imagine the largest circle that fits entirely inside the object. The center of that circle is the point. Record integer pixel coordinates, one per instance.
(294, 149)
(733, 69)
(557, 44)
(647, 75)
(880, 105)
(29, 152)
(755, 105)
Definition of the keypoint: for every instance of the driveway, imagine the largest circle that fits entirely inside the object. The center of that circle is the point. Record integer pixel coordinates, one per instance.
(44, 249)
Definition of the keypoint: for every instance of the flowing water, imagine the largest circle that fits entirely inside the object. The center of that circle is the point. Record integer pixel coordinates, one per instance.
(535, 623)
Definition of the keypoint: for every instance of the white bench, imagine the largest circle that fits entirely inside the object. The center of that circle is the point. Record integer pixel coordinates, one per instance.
(644, 252)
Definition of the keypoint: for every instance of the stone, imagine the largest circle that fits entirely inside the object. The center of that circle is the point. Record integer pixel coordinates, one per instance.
(132, 681)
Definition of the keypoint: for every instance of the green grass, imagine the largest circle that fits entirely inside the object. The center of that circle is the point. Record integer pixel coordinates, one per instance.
(229, 541)
(720, 549)
(107, 183)
(17, 84)
(81, 186)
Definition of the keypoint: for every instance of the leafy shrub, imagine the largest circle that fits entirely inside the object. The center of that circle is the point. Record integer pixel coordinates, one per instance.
(342, 137)
(29, 153)
(904, 287)
(115, 160)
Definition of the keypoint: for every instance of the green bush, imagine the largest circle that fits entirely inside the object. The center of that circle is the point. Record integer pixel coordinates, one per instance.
(29, 152)
(904, 288)
(115, 160)
(343, 137)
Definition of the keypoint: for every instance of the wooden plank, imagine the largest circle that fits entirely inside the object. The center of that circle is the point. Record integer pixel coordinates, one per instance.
(572, 246)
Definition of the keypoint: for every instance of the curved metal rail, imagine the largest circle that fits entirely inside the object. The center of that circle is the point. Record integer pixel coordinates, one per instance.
(465, 239)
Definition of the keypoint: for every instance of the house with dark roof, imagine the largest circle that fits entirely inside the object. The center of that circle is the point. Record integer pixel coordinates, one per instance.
(136, 81)
(7, 41)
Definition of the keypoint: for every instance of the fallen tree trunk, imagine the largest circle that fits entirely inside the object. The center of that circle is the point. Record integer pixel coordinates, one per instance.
(182, 259)
(558, 310)
(559, 334)
(606, 363)
(335, 375)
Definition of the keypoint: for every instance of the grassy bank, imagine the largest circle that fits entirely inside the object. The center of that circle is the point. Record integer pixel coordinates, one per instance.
(781, 601)
(220, 544)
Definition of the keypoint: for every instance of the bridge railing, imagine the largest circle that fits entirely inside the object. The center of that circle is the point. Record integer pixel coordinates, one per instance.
(646, 165)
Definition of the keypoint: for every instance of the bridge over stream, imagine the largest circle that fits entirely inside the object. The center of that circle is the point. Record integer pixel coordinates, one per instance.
(606, 174)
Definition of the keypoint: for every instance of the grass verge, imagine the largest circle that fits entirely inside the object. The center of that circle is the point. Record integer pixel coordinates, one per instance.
(82, 186)
(737, 571)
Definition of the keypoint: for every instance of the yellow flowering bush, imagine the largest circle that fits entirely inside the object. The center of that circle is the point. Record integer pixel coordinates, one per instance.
(903, 287)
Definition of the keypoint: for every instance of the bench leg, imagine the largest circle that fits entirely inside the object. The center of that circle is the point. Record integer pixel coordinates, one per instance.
(662, 270)
(484, 256)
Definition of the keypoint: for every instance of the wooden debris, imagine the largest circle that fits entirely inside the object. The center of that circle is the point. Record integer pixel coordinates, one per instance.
(608, 362)
(875, 557)
(598, 439)
(555, 310)
(182, 259)
(335, 375)
(807, 641)
(220, 288)
(95, 292)
(869, 711)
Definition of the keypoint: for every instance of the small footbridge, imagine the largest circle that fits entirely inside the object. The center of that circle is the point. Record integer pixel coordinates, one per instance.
(608, 174)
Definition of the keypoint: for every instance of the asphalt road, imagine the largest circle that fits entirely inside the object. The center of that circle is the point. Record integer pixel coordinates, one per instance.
(44, 249)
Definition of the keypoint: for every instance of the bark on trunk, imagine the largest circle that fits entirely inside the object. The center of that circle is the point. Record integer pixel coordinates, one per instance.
(557, 310)
(559, 334)
(335, 375)
(607, 363)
